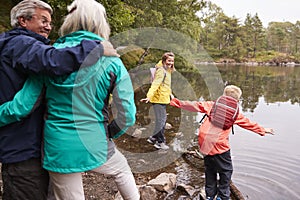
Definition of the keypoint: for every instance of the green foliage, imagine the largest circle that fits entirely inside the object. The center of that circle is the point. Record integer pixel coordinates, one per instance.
(131, 59)
(118, 14)
(5, 15)
(282, 36)
(202, 21)
(253, 35)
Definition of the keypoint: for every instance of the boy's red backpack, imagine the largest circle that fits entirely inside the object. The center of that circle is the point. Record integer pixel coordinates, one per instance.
(224, 112)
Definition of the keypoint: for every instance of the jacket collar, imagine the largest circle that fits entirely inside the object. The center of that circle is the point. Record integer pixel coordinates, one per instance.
(23, 31)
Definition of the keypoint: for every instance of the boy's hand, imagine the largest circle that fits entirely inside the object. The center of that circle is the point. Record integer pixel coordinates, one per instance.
(269, 131)
(108, 49)
(172, 96)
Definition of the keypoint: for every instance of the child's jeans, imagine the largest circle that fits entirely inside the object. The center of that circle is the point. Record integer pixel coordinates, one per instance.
(160, 122)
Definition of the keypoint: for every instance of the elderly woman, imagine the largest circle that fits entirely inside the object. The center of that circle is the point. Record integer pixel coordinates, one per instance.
(78, 131)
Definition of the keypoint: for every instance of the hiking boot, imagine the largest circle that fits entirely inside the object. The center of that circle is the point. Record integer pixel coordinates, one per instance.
(151, 140)
(161, 146)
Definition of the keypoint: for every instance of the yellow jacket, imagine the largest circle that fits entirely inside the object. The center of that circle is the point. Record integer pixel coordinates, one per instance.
(160, 89)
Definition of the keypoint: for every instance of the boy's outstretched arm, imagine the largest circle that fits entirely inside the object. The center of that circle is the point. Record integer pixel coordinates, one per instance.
(247, 124)
(192, 106)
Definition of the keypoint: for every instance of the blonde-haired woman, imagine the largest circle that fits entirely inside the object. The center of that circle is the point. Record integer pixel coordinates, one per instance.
(78, 132)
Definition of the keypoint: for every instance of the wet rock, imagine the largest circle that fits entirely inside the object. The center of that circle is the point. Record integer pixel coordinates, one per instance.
(168, 126)
(190, 190)
(148, 192)
(165, 182)
(118, 196)
(137, 133)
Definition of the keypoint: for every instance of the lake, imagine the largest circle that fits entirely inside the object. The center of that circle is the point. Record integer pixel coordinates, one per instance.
(264, 167)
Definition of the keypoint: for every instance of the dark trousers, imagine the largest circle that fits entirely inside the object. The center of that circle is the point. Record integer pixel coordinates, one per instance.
(222, 164)
(25, 180)
(160, 122)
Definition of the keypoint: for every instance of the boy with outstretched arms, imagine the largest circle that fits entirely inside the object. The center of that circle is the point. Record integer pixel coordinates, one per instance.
(214, 143)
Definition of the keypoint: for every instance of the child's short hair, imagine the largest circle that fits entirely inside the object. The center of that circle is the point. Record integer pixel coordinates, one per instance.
(233, 91)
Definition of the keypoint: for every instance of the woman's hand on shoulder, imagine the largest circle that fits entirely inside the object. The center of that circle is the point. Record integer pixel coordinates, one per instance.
(108, 49)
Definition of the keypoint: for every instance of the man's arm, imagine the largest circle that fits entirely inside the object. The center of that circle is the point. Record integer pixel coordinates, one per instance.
(35, 57)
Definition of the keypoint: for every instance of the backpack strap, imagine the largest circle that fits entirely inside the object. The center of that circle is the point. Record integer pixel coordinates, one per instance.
(205, 115)
(165, 74)
(153, 71)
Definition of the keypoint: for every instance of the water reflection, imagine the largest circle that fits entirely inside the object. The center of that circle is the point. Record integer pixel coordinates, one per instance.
(269, 166)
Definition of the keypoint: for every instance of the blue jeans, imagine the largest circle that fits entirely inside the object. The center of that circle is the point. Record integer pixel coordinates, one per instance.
(222, 164)
(160, 122)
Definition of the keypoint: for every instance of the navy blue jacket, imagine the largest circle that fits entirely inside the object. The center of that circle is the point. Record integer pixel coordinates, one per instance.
(22, 53)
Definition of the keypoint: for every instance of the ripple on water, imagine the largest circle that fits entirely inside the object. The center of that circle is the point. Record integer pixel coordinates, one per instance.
(276, 176)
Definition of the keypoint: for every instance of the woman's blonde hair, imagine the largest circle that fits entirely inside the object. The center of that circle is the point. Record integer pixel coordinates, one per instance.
(87, 15)
(233, 91)
(26, 9)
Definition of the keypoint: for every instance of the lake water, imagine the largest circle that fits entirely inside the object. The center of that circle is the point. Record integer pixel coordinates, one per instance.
(269, 167)
(264, 167)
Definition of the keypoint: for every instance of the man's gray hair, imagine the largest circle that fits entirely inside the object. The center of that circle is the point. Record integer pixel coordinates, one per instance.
(26, 9)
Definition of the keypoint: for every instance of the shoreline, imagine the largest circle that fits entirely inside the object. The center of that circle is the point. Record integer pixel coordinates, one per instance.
(284, 64)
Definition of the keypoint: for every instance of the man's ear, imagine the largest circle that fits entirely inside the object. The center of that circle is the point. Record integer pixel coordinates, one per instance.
(22, 21)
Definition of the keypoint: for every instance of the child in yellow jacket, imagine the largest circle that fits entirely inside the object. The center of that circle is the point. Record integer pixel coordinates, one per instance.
(159, 95)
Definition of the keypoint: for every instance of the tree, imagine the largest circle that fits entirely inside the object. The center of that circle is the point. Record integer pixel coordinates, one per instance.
(118, 14)
(280, 36)
(296, 37)
(253, 35)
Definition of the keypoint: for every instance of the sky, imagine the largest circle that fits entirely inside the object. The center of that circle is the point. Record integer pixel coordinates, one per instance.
(267, 10)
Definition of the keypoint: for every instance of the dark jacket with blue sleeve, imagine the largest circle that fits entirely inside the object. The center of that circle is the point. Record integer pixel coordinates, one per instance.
(22, 53)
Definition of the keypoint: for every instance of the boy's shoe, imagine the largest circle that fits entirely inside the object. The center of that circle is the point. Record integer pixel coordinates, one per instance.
(218, 198)
(161, 146)
(151, 140)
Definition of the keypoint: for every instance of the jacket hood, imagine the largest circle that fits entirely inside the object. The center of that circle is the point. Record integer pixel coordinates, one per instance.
(5, 37)
(82, 76)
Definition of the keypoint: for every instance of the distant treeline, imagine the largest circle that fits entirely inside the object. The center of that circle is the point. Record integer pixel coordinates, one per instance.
(222, 37)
